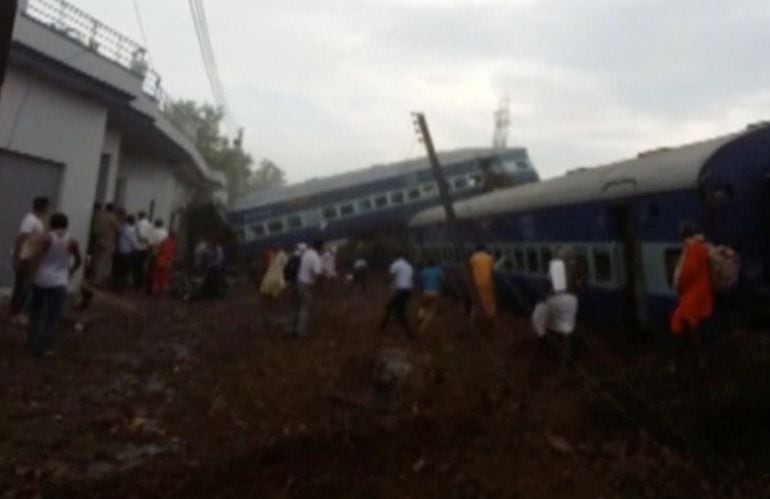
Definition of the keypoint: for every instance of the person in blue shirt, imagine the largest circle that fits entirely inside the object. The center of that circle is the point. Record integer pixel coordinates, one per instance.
(431, 282)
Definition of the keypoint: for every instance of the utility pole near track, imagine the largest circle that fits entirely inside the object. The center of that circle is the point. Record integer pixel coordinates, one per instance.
(7, 21)
(443, 188)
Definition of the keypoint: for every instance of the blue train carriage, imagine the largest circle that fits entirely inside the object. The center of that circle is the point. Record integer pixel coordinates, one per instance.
(623, 221)
(370, 201)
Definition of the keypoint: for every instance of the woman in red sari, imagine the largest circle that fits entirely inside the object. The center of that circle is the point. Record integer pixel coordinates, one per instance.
(693, 284)
(163, 265)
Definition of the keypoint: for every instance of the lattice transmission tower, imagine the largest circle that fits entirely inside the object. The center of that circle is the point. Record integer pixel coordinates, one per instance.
(502, 123)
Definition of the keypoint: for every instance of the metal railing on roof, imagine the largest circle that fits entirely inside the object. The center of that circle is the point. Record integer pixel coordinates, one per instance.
(63, 17)
(79, 26)
(83, 28)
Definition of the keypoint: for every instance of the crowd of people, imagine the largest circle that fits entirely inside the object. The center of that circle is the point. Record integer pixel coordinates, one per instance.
(703, 271)
(131, 251)
(127, 250)
(312, 268)
(123, 250)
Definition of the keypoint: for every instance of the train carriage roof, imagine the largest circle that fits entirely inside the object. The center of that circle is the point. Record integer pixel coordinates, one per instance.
(371, 174)
(660, 170)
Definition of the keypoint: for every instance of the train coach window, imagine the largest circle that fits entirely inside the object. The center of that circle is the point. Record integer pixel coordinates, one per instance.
(397, 197)
(330, 213)
(347, 210)
(414, 194)
(275, 226)
(582, 267)
(258, 230)
(364, 205)
(518, 257)
(295, 222)
(460, 183)
(381, 201)
(429, 189)
(671, 260)
(507, 262)
(546, 255)
(533, 265)
(602, 265)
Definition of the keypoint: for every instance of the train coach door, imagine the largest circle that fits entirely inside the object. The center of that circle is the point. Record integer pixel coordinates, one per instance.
(630, 254)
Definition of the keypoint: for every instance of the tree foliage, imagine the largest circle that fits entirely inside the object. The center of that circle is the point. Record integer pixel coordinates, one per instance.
(266, 176)
(204, 123)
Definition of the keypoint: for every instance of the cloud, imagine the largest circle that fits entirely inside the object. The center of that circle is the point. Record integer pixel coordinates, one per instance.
(328, 86)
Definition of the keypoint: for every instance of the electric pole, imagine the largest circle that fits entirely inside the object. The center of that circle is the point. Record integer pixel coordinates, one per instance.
(7, 21)
(438, 174)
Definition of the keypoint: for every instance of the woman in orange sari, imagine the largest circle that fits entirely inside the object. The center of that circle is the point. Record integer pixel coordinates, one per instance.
(163, 265)
(482, 268)
(692, 280)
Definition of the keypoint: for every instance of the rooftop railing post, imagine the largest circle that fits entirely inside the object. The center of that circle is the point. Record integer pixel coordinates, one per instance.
(93, 43)
(62, 15)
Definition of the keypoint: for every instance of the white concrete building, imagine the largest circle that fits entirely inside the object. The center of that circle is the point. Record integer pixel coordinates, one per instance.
(81, 121)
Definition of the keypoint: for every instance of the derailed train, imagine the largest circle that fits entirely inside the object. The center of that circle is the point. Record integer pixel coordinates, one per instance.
(623, 222)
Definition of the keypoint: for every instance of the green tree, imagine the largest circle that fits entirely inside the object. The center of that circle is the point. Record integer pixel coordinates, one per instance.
(203, 122)
(268, 175)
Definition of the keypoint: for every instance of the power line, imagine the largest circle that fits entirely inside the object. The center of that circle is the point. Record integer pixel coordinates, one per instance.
(139, 21)
(209, 61)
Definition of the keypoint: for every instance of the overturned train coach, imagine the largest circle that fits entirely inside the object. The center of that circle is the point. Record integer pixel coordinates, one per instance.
(623, 222)
(372, 201)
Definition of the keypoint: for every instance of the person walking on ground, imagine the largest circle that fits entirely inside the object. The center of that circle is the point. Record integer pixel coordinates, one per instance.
(125, 255)
(291, 269)
(105, 231)
(482, 266)
(59, 258)
(310, 270)
(32, 227)
(157, 236)
(557, 313)
(694, 287)
(402, 274)
(163, 265)
(144, 230)
(329, 263)
(273, 283)
(213, 263)
(431, 282)
(361, 274)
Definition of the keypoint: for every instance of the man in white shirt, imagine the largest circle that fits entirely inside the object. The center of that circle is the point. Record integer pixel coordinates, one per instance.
(32, 228)
(402, 273)
(158, 234)
(560, 308)
(557, 314)
(128, 241)
(310, 269)
(144, 232)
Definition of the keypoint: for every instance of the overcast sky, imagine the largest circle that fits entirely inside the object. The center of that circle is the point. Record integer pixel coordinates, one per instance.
(323, 86)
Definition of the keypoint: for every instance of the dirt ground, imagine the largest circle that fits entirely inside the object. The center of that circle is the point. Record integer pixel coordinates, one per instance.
(208, 399)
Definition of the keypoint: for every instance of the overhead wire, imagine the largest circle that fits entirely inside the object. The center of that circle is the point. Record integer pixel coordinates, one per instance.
(200, 22)
(140, 22)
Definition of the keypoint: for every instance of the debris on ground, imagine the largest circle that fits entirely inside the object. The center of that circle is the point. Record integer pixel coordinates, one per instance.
(199, 400)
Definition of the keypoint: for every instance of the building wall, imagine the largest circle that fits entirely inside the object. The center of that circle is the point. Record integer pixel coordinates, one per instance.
(111, 147)
(149, 184)
(62, 48)
(41, 120)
